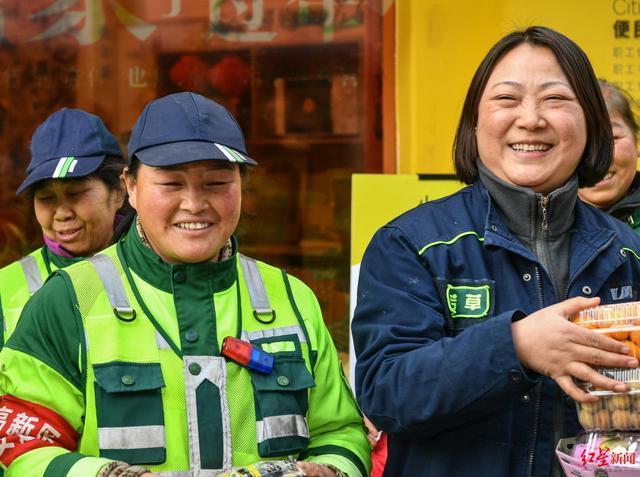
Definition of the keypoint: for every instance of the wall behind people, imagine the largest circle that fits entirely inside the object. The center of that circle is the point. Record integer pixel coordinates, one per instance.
(439, 43)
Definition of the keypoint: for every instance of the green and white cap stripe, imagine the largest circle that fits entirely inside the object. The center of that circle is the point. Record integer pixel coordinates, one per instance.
(231, 154)
(65, 166)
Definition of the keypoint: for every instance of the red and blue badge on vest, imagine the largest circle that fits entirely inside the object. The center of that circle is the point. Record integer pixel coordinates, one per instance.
(247, 355)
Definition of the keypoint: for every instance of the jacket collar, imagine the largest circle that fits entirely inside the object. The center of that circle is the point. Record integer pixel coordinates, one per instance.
(57, 260)
(591, 234)
(521, 208)
(152, 269)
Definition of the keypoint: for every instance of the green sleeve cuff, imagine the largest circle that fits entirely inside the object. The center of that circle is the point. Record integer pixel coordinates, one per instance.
(343, 459)
(72, 464)
(87, 467)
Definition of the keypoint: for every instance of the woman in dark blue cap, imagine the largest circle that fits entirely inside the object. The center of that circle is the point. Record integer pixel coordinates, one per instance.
(170, 353)
(74, 181)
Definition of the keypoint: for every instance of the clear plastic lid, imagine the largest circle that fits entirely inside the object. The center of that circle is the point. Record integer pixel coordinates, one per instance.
(619, 315)
(619, 321)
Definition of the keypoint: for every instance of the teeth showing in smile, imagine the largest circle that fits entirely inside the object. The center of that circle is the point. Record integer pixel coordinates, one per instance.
(608, 176)
(530, 147)
(193, 225)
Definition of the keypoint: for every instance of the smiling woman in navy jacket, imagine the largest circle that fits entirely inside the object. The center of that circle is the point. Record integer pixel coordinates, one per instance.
(464, 352)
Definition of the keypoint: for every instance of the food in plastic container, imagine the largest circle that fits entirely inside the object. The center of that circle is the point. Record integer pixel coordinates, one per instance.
(620, 321)
(613, 411)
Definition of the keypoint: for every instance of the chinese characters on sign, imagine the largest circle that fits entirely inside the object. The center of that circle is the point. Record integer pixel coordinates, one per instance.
(626, 50)
(91, 16)
(234, 20)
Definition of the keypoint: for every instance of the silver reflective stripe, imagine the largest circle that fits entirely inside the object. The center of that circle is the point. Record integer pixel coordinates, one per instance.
(111, 281)
(31, 273)
(161, 342)
(138, 437)
(281, 426)
(255, 285)
(273, 332)
(214, 370)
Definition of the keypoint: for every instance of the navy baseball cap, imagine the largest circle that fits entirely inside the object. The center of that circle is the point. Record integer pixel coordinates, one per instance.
(186, 127)
(69, 143)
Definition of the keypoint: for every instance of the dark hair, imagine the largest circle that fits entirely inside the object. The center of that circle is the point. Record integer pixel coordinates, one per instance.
(620, 102)
(110, 172)
(598, 152)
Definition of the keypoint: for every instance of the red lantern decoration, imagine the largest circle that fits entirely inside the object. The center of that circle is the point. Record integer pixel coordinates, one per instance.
(190, 73)
(230, 76)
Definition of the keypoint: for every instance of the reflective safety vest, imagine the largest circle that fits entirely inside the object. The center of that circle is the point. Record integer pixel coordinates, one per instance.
(179, 415)
(18, 281)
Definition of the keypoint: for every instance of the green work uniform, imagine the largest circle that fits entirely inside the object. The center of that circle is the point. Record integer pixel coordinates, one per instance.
(127, 349)
(21, 279)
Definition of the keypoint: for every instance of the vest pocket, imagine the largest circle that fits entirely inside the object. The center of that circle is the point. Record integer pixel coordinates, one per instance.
(281, 401)
(129, 412)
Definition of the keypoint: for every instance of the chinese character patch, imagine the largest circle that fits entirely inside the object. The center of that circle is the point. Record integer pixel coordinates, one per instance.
(468, 301)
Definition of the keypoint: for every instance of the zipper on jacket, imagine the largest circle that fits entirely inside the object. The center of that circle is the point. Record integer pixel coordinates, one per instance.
(536, 426)
(536, 415)
(541, 228)
(544, 202)
(558, 431)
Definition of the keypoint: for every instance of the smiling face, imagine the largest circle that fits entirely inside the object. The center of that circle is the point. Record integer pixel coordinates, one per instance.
(189, 211)
(78, 214)
(531, 130)
(614, 186)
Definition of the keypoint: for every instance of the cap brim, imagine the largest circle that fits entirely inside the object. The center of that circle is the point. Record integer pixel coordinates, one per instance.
(175, 153)
(62, 168)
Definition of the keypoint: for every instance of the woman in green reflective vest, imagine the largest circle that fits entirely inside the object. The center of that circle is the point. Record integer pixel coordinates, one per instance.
(169, 353)
(74, 181)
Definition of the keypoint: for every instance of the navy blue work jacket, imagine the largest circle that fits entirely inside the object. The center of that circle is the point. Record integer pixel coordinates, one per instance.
(436, 366)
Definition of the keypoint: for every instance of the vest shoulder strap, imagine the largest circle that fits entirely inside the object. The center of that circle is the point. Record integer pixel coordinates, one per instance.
(32, 273)
(262, 310)
(112, 283)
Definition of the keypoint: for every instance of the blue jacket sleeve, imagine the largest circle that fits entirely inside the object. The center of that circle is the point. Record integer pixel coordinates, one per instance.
(410, 376)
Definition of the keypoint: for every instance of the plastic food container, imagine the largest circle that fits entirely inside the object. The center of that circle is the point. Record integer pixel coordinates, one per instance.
(614, 411)
(620, 322)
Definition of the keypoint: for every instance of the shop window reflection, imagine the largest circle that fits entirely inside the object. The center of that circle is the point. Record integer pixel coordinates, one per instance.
(302, 77)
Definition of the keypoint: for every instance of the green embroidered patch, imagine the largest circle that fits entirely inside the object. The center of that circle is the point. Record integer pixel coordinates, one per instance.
(468, 302)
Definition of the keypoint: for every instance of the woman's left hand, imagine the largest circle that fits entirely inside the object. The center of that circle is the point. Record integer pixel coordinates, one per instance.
(311, 469)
